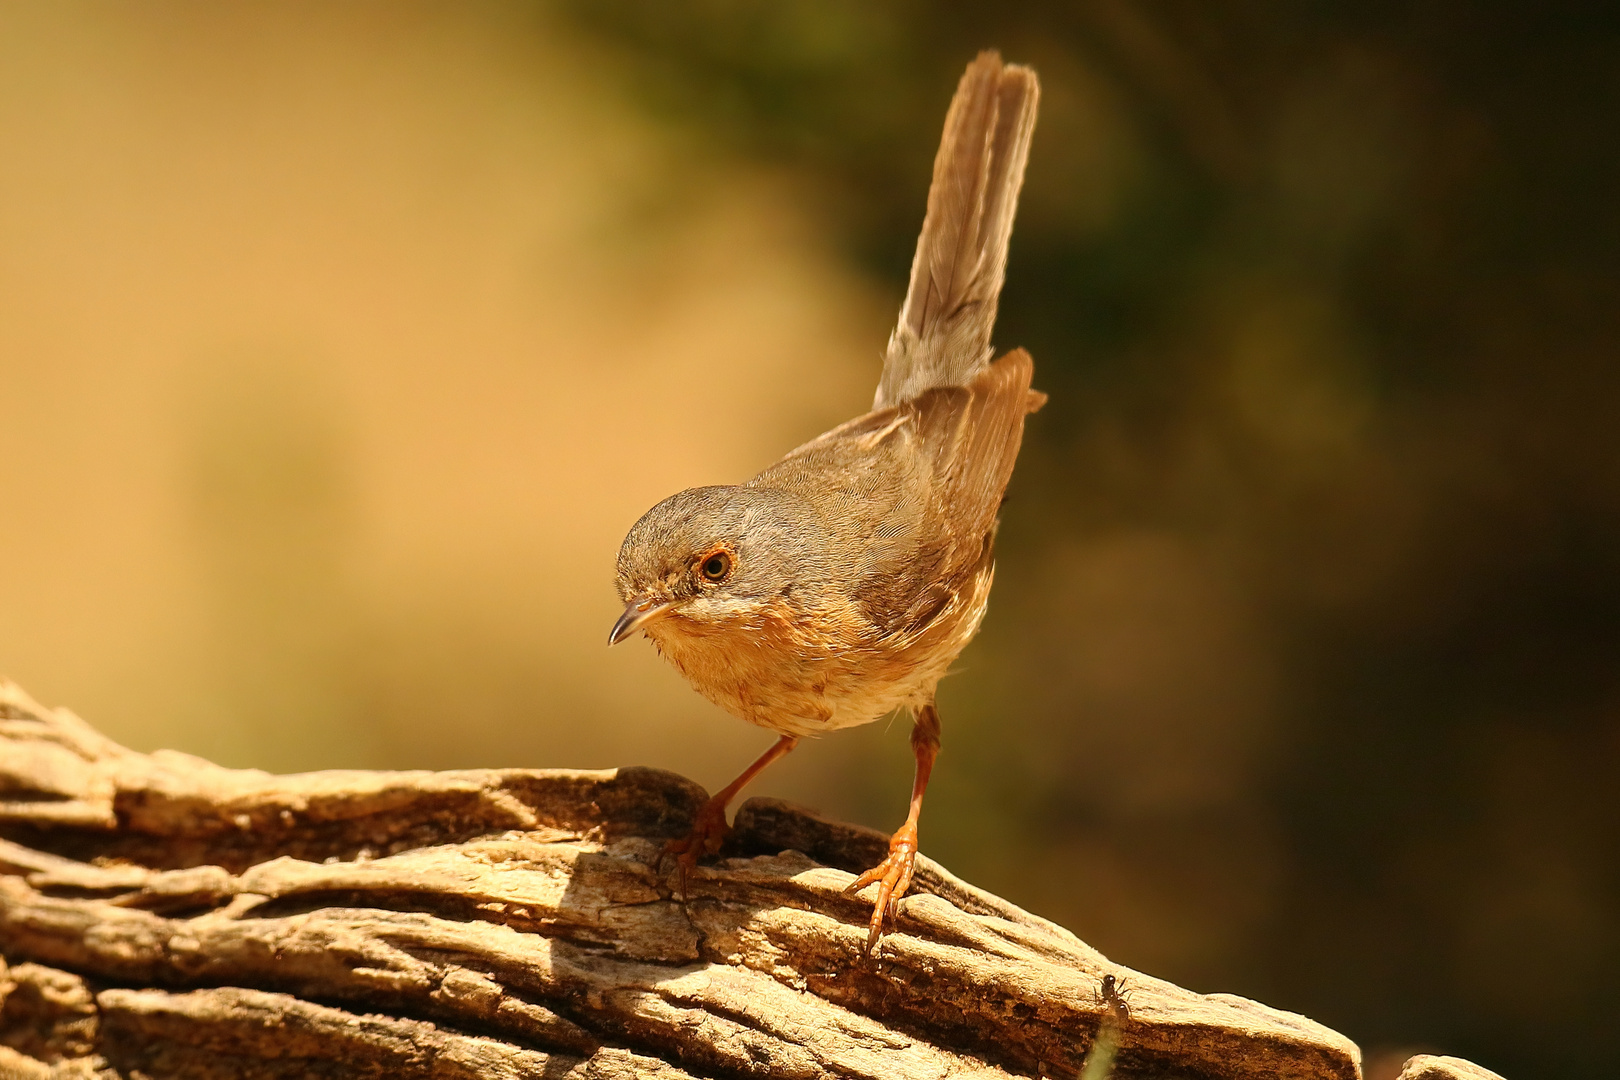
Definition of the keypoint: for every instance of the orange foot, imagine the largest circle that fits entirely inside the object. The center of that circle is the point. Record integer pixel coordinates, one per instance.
(892, 877)
(709, 831)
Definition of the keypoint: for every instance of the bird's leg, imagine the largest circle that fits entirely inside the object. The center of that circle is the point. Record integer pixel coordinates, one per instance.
(709, 828)
(893, 875)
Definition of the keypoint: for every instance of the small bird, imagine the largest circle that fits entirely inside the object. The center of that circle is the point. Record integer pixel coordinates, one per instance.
(838, 585)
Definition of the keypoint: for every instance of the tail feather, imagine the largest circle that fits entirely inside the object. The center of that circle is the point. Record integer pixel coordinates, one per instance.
(943, 336)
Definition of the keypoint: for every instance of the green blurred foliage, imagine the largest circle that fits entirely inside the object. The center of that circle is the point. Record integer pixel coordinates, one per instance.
(1301, 676)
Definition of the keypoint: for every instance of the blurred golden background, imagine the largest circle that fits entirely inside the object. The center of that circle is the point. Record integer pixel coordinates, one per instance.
(340, 344)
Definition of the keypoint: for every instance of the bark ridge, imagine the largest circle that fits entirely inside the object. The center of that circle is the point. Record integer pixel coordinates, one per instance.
(161, 916)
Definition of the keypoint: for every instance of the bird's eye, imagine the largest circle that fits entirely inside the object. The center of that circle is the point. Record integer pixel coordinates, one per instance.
(716, 567)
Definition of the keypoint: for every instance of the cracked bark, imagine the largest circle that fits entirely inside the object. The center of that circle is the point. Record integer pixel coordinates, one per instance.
(161, 916)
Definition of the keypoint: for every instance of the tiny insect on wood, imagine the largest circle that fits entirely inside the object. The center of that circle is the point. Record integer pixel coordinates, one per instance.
(1114, 997)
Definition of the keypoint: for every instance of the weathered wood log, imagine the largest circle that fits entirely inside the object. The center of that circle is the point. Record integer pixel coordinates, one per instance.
(1434, 1067)
(161, 916)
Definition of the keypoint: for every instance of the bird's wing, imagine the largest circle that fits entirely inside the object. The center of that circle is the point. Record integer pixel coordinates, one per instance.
(943, 336)
(910, 493)
(971, 435)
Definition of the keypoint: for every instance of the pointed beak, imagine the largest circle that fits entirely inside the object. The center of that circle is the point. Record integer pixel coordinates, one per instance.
(637, 614)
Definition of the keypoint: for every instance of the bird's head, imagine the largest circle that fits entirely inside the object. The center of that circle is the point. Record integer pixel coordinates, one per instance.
(713, 556)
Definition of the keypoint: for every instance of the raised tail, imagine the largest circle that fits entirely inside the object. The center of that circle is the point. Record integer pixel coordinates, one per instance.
(943, 337)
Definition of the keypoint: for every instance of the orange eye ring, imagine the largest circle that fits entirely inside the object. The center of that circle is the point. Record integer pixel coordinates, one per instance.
(716, 566)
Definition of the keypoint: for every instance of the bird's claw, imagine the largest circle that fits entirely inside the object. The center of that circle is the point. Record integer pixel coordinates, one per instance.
(709, 831)
(892, 876)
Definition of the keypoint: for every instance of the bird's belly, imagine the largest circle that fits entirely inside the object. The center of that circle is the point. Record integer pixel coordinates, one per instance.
(771, 681)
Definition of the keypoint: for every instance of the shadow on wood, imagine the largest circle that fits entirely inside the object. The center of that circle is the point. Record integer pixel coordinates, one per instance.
(161, 915)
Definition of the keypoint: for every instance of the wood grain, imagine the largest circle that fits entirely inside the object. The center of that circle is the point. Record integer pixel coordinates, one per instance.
(161, 916)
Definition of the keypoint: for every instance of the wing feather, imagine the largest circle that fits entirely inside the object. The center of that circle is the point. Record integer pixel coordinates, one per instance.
(972, 435)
